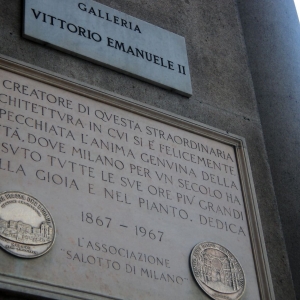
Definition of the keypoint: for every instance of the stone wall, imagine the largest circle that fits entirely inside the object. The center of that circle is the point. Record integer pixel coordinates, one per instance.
(272, 34)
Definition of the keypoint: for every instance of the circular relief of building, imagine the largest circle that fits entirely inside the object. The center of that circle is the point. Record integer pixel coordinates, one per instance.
(217, 271)
(26, 227)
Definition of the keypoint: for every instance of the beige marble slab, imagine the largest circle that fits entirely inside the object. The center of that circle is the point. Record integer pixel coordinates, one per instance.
(130, 195)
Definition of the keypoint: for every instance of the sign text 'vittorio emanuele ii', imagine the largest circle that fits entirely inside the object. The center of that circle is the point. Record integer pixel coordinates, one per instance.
(111, 38)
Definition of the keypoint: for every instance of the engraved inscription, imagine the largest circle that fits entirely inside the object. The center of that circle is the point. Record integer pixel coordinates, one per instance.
(130, 195)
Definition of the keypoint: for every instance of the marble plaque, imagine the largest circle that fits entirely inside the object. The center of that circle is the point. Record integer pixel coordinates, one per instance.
(109, 37)
(132, 190)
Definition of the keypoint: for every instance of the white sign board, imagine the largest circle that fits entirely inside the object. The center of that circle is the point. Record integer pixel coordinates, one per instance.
(111, 38)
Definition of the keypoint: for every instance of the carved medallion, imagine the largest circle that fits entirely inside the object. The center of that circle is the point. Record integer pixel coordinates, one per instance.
(217, 271)
(26, 226)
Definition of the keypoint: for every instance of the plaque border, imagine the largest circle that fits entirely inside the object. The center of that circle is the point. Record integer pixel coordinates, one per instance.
(239, 143)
